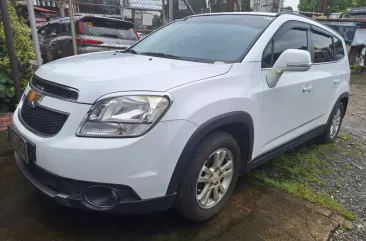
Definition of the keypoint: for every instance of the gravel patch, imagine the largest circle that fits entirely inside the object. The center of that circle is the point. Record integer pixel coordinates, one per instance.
(347, 183)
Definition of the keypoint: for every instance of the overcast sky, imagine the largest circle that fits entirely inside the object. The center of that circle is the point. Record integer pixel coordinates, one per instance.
(292, 3)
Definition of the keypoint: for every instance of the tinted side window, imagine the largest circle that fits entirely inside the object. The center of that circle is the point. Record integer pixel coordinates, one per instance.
(339, 51)
(323, 48)
(292, 39)
(65, 27)
(53, 28)
(267, 57)
(43, 32)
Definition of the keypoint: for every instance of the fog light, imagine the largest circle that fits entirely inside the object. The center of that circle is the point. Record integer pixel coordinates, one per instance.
(101, 196)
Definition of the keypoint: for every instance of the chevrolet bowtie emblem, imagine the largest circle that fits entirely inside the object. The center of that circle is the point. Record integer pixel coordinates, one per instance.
(33, 97)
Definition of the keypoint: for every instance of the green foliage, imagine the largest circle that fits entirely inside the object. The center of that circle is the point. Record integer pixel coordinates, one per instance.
(23, 52)
(333, 6)
(308, 5)
(355, 69)
(6, 87)
(301, 171)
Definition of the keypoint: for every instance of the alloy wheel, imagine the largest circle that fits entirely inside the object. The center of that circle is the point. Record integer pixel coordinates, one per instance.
(335, 124)
(214, 178)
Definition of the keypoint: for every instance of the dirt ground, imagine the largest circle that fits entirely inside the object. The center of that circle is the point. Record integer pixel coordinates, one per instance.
(255, 212)
(355, 120)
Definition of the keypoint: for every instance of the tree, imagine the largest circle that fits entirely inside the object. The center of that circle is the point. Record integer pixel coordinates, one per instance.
(308, 5)
(23, 52)
(333, 6)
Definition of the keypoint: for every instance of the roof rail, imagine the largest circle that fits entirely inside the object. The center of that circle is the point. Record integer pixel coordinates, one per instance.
(297, 13)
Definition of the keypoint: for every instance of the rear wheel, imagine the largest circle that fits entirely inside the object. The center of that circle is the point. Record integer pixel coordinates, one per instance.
(210, 179)
(334, 124)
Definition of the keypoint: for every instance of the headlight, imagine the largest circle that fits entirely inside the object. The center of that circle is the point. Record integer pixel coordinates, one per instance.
(124, 116)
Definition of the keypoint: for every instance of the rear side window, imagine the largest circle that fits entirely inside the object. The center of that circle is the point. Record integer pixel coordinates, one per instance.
(323, 47)
(292, 39)
(65, 27)
(339, 50)
(107, 28)
(43, 32)
(53, 28)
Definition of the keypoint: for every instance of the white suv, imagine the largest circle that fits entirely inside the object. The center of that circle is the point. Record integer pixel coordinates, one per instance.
(175, 119)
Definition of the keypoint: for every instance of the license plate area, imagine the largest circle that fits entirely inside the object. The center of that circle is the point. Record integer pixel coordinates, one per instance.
(18, 143)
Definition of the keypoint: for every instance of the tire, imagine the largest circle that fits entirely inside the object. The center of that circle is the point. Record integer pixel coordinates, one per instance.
(328, 136)
(187, 202)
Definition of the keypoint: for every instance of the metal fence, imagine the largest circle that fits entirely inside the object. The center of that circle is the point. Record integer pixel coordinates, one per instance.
(61, 28)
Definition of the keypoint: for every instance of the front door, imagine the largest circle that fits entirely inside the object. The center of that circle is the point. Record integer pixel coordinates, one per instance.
(288, 107)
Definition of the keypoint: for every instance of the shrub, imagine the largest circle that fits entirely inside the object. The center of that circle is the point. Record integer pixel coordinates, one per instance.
(23, 51)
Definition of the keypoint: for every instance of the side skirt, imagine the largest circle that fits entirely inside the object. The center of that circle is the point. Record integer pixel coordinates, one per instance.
(284, 147)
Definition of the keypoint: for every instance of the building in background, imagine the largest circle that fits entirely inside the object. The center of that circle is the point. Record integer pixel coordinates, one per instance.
(266, 5)
(43, 10)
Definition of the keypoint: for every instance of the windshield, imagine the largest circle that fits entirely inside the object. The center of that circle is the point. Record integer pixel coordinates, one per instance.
(224, 38)
(109, 28)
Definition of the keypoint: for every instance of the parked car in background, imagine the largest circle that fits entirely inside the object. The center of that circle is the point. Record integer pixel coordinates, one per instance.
(142, 35)
(93, 34)
(175, 119)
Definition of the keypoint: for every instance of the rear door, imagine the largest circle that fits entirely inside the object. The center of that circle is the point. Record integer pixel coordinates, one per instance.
(104, 34)
(326, 70)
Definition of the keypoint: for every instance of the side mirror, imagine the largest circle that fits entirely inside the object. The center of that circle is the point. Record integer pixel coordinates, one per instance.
(290, 60)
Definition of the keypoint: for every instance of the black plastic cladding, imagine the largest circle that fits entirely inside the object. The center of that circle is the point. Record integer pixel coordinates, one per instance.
(199, 134)
(41, 121)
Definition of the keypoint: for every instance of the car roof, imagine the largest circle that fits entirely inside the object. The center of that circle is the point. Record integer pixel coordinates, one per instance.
(289, 15)
(236, 13)
(78, 17)
(297, 16)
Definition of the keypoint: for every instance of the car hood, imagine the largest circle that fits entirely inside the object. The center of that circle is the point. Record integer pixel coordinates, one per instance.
(98, 74)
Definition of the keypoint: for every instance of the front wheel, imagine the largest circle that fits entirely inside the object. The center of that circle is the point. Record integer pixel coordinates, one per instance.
(210, 179)
(334, 124)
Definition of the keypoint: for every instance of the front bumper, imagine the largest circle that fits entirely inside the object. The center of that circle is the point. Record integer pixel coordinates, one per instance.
(145, 163)
(73, 193)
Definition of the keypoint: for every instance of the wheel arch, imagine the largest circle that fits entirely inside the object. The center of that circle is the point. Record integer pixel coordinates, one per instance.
(238, 123)
(342, 98)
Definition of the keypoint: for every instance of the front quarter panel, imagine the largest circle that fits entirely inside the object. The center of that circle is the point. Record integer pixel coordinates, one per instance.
(237, 91)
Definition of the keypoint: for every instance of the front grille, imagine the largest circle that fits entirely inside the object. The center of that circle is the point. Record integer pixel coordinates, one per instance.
(42, 121)
(53, 89)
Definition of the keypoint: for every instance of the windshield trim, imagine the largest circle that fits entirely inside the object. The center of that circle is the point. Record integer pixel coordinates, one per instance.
(212, 61)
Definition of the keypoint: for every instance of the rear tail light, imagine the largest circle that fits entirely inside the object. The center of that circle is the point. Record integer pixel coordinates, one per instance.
(138, 36)
(83, 41)
(80, 27)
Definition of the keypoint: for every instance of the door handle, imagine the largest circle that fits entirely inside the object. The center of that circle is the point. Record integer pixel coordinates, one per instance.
(337, 81)
(307, 89)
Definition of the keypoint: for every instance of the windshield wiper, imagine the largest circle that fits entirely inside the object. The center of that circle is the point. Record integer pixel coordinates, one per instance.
(156, 54)
(131, 51)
